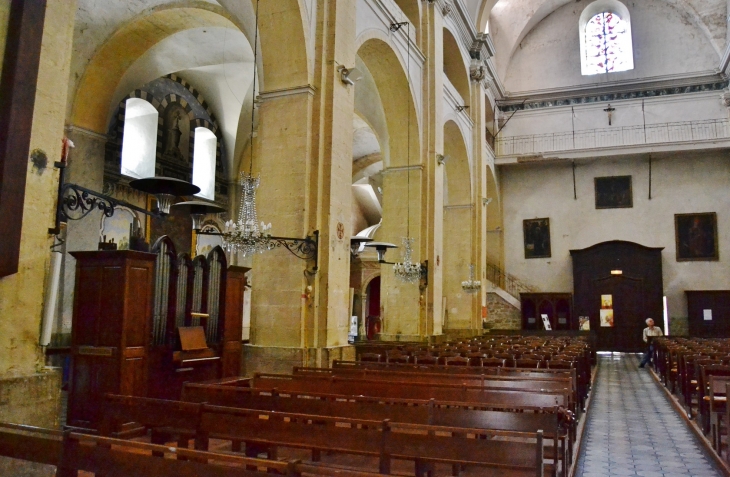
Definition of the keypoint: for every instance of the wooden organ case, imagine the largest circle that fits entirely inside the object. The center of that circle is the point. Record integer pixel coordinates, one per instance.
(129, 310)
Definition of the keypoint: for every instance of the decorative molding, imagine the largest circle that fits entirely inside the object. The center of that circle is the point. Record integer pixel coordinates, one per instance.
(87, 132)
(293, 91)
(604, 97)
(413, 167)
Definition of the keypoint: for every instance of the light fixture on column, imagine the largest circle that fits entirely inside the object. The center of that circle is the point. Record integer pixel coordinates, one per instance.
(198, 210)
(356, 243)
(407, 271)
(381, 248)
(471, 285)
(246, 236)
(165, 189)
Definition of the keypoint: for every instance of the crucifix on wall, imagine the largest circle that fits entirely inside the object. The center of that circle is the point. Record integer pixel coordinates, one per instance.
(610, 111)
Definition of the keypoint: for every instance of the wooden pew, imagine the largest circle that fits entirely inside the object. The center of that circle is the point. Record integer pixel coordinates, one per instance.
(520, 453)
(580, 388)
(410, 390)
(71, 452)
(557, 425)
(548, 383)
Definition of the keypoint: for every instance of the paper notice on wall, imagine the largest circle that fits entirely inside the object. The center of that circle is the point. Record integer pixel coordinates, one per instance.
(546, 322)
(707, 315)
(606, 318)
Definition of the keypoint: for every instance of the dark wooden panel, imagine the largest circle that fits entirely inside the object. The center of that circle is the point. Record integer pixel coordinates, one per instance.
(86, 305)
(17, 100)
(637, 291)
(111, 305)
(716, 300)
(139, 305)
(551, 304)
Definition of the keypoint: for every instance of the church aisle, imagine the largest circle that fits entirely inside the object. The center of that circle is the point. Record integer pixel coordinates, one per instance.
(632, 429)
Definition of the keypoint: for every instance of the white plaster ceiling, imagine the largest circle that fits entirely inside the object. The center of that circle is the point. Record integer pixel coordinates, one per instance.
(217, 61)
(511, 20)
(364, 141)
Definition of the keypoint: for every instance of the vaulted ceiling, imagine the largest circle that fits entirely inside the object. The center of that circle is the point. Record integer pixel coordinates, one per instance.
(511, 20)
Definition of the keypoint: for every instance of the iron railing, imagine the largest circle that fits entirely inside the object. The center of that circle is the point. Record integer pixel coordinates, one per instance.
(507, 282)
(706, 130)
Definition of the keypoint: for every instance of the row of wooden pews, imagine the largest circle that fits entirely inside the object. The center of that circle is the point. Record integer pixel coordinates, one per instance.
(356, 418)
(71, 453)
(697, 371)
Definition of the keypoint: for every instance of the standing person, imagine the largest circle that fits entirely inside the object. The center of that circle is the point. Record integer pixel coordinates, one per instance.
(649, 333)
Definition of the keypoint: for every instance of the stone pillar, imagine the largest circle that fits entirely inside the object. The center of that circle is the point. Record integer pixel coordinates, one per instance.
(305, 160)
(433, 145)
(30, 392)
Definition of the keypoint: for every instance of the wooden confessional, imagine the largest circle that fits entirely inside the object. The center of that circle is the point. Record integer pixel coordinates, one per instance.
(145, 323)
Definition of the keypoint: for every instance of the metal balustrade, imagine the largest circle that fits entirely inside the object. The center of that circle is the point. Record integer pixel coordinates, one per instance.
(618, 136)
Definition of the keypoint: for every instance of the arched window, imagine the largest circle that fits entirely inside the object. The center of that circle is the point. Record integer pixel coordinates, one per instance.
(606, 45)
(204, 162)
(140, 139)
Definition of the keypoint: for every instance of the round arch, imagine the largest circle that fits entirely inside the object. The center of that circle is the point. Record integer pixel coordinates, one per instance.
(457, 176)
(401, 116)
(456, 66)
(98, 84)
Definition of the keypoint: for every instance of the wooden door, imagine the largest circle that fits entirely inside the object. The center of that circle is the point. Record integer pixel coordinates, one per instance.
(632, 275)
(629, 313)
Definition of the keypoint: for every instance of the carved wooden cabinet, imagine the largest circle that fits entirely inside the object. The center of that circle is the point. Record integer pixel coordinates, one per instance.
(110, 332)
(557, 306)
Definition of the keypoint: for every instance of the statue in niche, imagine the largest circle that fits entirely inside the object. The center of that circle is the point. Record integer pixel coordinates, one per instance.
(172, 146)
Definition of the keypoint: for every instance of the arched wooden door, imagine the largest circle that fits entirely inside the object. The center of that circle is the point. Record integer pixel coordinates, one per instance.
(618, 285)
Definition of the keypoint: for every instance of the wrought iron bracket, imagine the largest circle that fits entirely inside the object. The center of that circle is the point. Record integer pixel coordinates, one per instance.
(394, 27)
(304, 248)
(75, 202)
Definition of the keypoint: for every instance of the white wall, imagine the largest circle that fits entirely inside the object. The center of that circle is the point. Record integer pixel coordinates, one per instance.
(680, 184)
(666, 42)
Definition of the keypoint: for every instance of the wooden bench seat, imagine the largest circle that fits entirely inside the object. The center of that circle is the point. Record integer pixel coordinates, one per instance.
(72, 452)
(411, 390)
(265, 431)
(557, 425)
(542, 383)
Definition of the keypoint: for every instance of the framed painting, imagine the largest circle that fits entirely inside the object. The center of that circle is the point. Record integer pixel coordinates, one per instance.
(696, 237)
(613, 192)
(537, 238)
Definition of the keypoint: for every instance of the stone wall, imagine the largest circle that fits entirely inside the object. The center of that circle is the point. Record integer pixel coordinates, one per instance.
(273, 359)
(679, 326)
(502, 315)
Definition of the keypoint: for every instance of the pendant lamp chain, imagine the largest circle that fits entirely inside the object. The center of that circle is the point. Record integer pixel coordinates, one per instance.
(407, 271)
(246, 236)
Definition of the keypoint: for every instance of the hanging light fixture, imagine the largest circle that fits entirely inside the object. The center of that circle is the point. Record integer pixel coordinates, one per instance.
(471, 285)
(246, 236)
(407, 271)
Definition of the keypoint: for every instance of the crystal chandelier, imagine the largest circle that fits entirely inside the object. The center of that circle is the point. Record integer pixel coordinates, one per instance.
(471, 285)
(407, 271)
(246, 236)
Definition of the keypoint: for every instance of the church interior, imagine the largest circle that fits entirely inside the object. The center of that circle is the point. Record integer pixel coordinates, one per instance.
(210, 204)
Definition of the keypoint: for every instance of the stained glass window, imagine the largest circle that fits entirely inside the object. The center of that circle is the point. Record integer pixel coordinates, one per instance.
(607, 45)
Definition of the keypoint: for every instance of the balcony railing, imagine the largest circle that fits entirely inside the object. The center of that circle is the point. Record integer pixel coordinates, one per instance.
(706, 130)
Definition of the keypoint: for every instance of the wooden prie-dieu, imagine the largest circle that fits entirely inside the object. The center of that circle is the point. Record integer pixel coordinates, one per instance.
(130, 310)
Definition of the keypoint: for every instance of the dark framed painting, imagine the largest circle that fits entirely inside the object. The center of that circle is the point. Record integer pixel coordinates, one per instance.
(613, 192)
(537, 238)
(696, 237)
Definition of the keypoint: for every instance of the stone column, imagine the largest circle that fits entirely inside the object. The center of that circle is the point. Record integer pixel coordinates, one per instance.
(304, 156)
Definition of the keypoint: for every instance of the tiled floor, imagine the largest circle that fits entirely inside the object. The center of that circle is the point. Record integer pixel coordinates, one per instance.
(632, 429)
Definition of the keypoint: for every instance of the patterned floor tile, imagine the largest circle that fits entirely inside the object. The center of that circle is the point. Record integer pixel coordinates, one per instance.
(632, 429)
